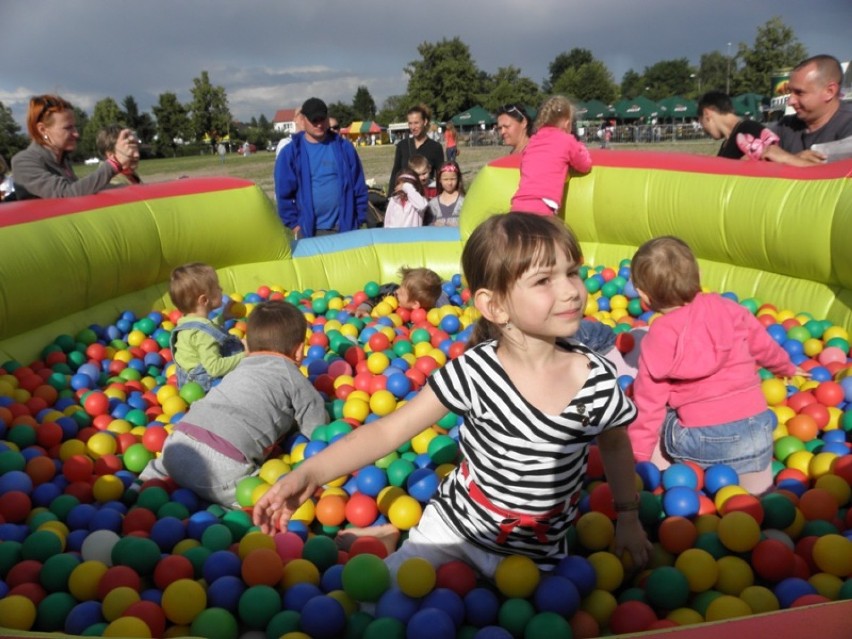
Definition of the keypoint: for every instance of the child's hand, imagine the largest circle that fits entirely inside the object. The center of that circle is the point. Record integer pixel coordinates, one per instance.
(801, 372)
(362, 311)
(272, 512)
(630, 536)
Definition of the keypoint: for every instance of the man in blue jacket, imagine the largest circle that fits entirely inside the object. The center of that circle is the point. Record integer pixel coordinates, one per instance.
(319, 181)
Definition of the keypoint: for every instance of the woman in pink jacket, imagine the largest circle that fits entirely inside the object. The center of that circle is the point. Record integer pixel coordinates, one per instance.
(545, 161)
(697, 389)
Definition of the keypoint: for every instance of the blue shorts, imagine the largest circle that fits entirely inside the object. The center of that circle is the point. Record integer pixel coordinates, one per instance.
(745, 444)
(599, 337)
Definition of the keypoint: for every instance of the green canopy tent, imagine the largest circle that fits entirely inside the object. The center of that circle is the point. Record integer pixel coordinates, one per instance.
(473, 118)
(748, 104)
(593, 110)
(677, 107)
(635, 108)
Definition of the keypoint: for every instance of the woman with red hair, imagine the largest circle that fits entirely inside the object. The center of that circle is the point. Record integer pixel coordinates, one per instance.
(43, 169)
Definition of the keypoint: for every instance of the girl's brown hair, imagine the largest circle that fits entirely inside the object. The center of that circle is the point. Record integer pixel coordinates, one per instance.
(503, 248)
(665, 270)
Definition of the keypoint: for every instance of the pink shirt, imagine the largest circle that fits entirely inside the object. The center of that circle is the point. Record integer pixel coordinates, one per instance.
(545, 161)
(701, 360)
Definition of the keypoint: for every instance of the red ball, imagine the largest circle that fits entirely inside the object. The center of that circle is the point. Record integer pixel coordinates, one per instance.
(798, 400)
(153, 438)
(78, 468)
(600, 500)
(418, 315)
(773, 560)
(379, 382)
(457, 349)
(49, 434)
(367, 545)
(829, 393)
(805, 550)
(361, 510)
(24, 572)
(96, 403)
(173, 567)
(82, 490)
(117, 577)
(748, 504)
(138, 520)
(818, 412)
(108, 465)
(594, 469)
(15, 506)
(457, 576)
(631, 616)
(150, 613)
(379, 342)
(33, 592)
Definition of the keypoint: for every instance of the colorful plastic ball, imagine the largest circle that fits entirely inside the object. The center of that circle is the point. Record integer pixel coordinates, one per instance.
(183, 600)
(404, 512)
(429, 623)
(718, 476)
(361, 510)
(323, 618)
(679, 475)
(818, 503)
(416, 577)
(735, 574)
(17, 612)
(833, 554)
(517, 576)
(258, 605)
(215, 623)
(365, 578)
(556, 594)
(298, 595)
(136, 457)
(677, 534)
(262, 566)
(667, 588)
(371, 480)
(773, 560)
(595, 530)
(456, 576)
(320, 551)
(727, 607)
(681, 501)
(739, 531)
(422, 484)
(98, 546)
(790, 589)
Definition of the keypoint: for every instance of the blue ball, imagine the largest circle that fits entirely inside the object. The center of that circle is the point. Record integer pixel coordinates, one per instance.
(75, 539)
(422, 484)
(80, 516)
(777, 332)
(81, 381)
(820, 374)
(16, 480)
(679, 475)
(154, 595)
(83, 615)
(167, 532)
(315, 447)
(793, 347)
(221, 563)
(225, 593)
(429, 623)
(298, 595)
(681, 501)
(45, 493)
(199, 522)
(482, 607)
(399, 385)
(332, 578)
(448, 602)
(450, 324)
(371, 480)
(650, 475)
(186, 497)
(557, 594)
(396, 604)
(789, 589)
(492, 632)
(106, 519)
(13, 532)
(835, 447)
(579, 571)
(718, 476)
(323, 617)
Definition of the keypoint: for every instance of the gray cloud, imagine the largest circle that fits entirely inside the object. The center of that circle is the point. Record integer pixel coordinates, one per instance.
(271, 55)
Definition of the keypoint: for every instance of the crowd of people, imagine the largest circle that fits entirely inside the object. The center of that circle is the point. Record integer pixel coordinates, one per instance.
(537, 383)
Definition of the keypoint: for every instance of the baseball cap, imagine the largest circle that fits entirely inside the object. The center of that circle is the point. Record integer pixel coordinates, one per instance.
(314, 109)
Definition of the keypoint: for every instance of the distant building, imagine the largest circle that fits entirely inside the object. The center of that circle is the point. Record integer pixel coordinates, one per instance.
(284, 121)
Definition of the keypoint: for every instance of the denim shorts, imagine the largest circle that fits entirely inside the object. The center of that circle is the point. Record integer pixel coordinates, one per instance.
(745, 444)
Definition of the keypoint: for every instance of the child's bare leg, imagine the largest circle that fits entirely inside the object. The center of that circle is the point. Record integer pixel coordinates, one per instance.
(757, 483)
(388, 534)
(659, 458)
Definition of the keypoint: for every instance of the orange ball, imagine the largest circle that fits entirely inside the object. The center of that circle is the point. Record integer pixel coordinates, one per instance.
(803, 427)
(677, 534)
(331, 510)
(41, 469)
(262, 567)
(818, 503)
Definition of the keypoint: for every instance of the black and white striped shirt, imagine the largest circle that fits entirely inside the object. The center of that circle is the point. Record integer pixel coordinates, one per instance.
(522, 459)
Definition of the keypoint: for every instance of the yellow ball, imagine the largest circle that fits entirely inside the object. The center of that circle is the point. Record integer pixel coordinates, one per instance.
(165, 391)
(382, 403)
(725, 493)
(115, 393)
(382, 309)
(420, 442)
(184, 545)
(707, 523)
(17, 612)
(699, 567)
(517, 576)
(820, 465)
(595, 531)
(422, 348)
(837, 486)
(387, 496)
(405, 512)
(783, 414)
(174, 405)
(835, 331)
(70, 448)
(183, 600)
(299, 571)
(608, 569)
(350, 606)
(827, 585)
(357, 409)
(252, 541)
(760, 599)
(416, 577)
(297, 453)
(685, 616)
(735, 575)
(108, 488)
(273, 469)
(591, 306)
(813, 347)
(305, 513)
(119, 426)
(340, 380)
(800, 460)
(774, 390)
(739, 531)
(84, 578)
(117, 601)
(600, 604)
(832, 553)
(101, 444)
(127, 627)
(727, 607)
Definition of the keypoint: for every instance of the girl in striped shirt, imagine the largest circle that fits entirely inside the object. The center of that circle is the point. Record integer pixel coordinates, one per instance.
(533, 401)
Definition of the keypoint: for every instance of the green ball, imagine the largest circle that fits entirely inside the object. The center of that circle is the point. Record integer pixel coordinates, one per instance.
(609, 289)
(283, 622)
(136, 457)
(217, 537)
(399, 471)
(650, 508)
(799, 333)
(365, 577)
(384, 628)
(215, 623)
(62, 505)
(41, 545)
(86, 336)
(419, 335)
(786, 446)
(12, 460)
(385, 462)
(58, 380)
(778, 511)
(634, 593)
(709, 542)
(319, 305)
(546, 625)
(238, 521)
(65, 342)
(197, 555)
(442, 449)
(52, 611)
(845, 591)
(320, 433)
(95, 630)
(22, 435)
(667, 588)
(371, 289)
(173, 509)
(838, 342)
(320, 551)
(818, 528)
(815, 328)
(245, 489)
(56, 570)
(153, 498)
(514, 615)
(751, 304)
(403, 347)
(10, 555)
(702, 600)
(846, 421)
(448, 421)
(258, 605)
(146, 325)
(139, 553)
(593, 284)
(76, 359)
(338, 427)
(130, 375)
(137, 417)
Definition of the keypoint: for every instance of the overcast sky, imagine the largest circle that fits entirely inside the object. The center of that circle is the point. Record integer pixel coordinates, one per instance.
(273, 54)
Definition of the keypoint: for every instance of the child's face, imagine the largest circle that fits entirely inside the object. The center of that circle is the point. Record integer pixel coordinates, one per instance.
(548, 301)
(449, 182)
(403, 296)
(423, 176)
(214, 298)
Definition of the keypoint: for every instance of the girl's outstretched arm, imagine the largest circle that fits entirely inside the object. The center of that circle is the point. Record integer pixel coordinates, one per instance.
(362, 446)
(617, 458)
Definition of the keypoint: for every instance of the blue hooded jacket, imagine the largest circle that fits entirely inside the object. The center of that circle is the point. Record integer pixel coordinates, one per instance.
(293, 185)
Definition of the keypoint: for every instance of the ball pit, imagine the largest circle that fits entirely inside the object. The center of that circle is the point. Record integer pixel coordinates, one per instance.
(88, 410)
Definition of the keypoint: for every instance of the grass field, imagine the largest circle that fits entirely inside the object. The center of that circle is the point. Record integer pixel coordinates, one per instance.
(377, 162)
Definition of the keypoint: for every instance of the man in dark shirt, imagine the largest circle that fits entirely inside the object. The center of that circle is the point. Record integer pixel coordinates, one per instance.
(820, 116)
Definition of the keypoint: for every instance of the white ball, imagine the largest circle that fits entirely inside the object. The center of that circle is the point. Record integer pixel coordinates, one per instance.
(98, 545)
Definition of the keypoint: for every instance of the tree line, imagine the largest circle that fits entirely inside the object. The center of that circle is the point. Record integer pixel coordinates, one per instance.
(445, 77)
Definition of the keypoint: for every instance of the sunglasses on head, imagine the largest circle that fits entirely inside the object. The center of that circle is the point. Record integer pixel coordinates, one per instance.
(510, 109)
(49, 103)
